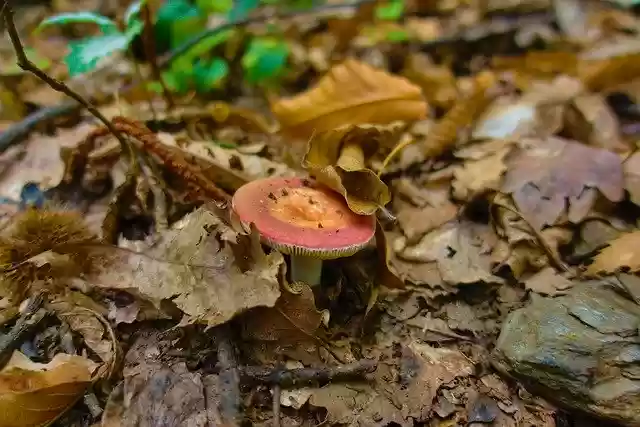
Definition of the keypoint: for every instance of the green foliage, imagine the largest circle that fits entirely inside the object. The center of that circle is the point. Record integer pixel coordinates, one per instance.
(106, 25)
(264, 59)
(178, 21)
(215, 6)
(391, 10)
(84, 54)
(209, 75)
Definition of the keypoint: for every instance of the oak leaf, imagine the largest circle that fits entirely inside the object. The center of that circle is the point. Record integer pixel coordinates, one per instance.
(545, 174)
(337, 159)
(36, 394)
(621, 255)
(350, 93)
(203, 266)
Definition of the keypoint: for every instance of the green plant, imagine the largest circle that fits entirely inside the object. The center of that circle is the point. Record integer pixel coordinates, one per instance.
(85, 53)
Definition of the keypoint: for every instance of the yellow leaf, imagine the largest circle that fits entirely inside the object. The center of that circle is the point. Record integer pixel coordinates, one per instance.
(337, 159)
(621, 255)
(350, 93)
(35, 394)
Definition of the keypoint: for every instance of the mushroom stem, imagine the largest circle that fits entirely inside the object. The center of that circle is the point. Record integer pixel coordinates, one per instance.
(306, 269)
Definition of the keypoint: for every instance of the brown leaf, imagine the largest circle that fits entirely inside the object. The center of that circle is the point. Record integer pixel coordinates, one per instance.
(461, 250)
(293, 318)
(632, 177)
(338, 158)
(423, 370)
(548, 282)
(621, 255)
(545, 175)
(437, 81)
(203, 266)
(385, 273)
(591, 120)
(478, 176)
(35, 394)
(350, 93)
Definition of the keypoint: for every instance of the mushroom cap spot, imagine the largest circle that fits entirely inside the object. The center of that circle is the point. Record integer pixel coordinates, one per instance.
(301, 217)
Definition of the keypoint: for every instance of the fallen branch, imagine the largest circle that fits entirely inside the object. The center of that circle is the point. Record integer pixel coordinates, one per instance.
(291, 378)
(27, 65)
(25, 325)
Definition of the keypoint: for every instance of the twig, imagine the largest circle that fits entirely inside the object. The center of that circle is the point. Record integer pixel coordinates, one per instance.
(277, 391)
(21, 129)
(149, 44)
(228, 376)
(553, 258)
(290, 378)
(27, 65)
(184, 48)
(31, 317)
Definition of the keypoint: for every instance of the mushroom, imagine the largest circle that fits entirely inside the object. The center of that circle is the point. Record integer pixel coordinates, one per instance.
(307, 221)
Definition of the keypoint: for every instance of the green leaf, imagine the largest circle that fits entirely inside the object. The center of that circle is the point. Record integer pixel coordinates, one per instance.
(242, 8)
(85, 54)
(215, 6)
(177, 21)
(134, 29)
(106, 25)
(132, 14)
(210, 75)
(205, 45)
(390, 11)
(264, 59)
(397, 36)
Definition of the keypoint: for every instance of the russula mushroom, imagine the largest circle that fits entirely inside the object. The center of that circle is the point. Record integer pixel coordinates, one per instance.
(309, 222)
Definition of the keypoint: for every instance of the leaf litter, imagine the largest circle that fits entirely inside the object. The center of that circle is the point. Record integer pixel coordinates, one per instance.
(494, 143)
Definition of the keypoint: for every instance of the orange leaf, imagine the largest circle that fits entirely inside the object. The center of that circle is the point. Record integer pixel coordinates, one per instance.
(621, 255)
(350, 93)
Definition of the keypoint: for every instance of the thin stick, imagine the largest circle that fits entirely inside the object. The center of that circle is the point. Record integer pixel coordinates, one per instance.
(27, 322)
(293, 378)
(553, 258)
(27, 65)
(149, 44)
(277, 391)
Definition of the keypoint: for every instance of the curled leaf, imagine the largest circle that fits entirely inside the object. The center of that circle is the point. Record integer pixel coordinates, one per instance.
(350, 93)
(35, 394)
(337, 159)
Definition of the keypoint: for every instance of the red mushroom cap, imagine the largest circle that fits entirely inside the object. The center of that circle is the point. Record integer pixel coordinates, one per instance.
(300, 217)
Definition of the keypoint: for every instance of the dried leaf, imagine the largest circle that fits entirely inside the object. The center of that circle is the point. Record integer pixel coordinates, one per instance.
(621, 255)
(632, 177)
(423, 370)
(206, 269)
(461, 250)
(548, 282)
(385, 275)
(338, 158)
(462, 115)
(350, 93)
(478, 176)
(293, 318)
(544, 176)
(35, 394)
(591, 120)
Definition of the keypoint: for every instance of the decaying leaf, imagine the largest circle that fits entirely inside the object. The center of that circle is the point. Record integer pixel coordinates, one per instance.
(621, 255)
(548, 282)
(462, 250)
(293, 318)
(351, 93)
(36, 394)
(545, 176)
(477, 176)
(338, 158)
(204, 267)
(422, 371)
